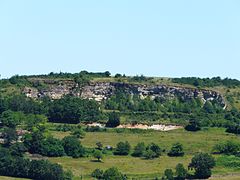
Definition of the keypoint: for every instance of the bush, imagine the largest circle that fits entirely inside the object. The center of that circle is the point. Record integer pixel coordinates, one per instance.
(202, 163)
(113, 121)
(113, 174)
(78, 132)
(181, 172)
(228, 147)
(52, 147)
(168, 174)
(73, 147)
(176, 150)
(123, 148)
(155, 148)
(36, 169)
(97, 173)
(98, 155)
(149, 154)
(17, 149)
(193, 125)
(73, 109)
(139, 150)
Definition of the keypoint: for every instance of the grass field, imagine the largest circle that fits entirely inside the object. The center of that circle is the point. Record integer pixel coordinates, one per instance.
(201, 141)
(192, 141)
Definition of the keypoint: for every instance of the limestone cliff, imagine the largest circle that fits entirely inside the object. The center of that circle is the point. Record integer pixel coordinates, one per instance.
(103, 90)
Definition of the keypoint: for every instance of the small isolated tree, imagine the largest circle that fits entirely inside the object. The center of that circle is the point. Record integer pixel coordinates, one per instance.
(113, 120)
(113, 174)
(176, 150)
(139, 149)
(168, 175)
(97, 173)
(202, 163)
(98, 155)
(193, 125)
(123, 148)
(181, 172)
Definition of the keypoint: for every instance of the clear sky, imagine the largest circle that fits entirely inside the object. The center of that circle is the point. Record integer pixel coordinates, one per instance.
(170, 38)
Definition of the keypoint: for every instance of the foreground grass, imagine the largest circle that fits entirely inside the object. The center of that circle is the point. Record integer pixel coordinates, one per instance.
(137, 167)
(202, 141)
(133, 167)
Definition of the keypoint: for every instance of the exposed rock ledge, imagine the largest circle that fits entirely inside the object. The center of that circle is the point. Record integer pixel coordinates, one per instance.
(104, 90)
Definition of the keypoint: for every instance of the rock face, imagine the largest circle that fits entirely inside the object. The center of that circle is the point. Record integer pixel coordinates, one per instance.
(103, 90)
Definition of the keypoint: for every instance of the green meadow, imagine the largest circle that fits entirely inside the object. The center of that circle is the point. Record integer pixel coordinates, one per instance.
(193, 142)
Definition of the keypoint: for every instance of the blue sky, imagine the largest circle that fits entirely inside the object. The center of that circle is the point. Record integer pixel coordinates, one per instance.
(170, 38)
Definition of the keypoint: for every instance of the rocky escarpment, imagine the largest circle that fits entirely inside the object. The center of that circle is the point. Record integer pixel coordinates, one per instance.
(103, 90)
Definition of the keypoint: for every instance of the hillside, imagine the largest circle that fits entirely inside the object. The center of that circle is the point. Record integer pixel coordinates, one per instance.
(69, 125)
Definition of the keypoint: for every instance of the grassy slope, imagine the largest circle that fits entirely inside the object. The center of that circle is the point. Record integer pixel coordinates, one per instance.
(136, 167)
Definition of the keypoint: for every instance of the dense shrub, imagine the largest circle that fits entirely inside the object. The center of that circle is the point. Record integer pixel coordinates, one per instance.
(113, 121)
(52, 147)
(193, 125)
(181, 172)
(202, 163)
(228, 147)
(113, 174)
(207, 82)
(17, 166)
(73, 110)
(139, 150)
(73, 147)
(97, 173)
(123, 148)
(176, 150)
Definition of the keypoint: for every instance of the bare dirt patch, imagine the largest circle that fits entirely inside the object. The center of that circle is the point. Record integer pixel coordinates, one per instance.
(158, 127)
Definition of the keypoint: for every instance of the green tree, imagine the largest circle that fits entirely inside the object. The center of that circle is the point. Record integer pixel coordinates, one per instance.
(202, 163)
(73, 147)
(181, 172)
(123, 148)
(208, 107)
(9, 135)
(228, 147)
(11, 119)
(51, 147)
(17, 149)
(149, 154)
(155, 148)
(168, 174)
(176, 150)
(33, 141)
(98, 155)
(139, 149)
(193, 125)
(113, 120)
(97, 173)
(73, 109)
(78, 132)
(113, 174)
